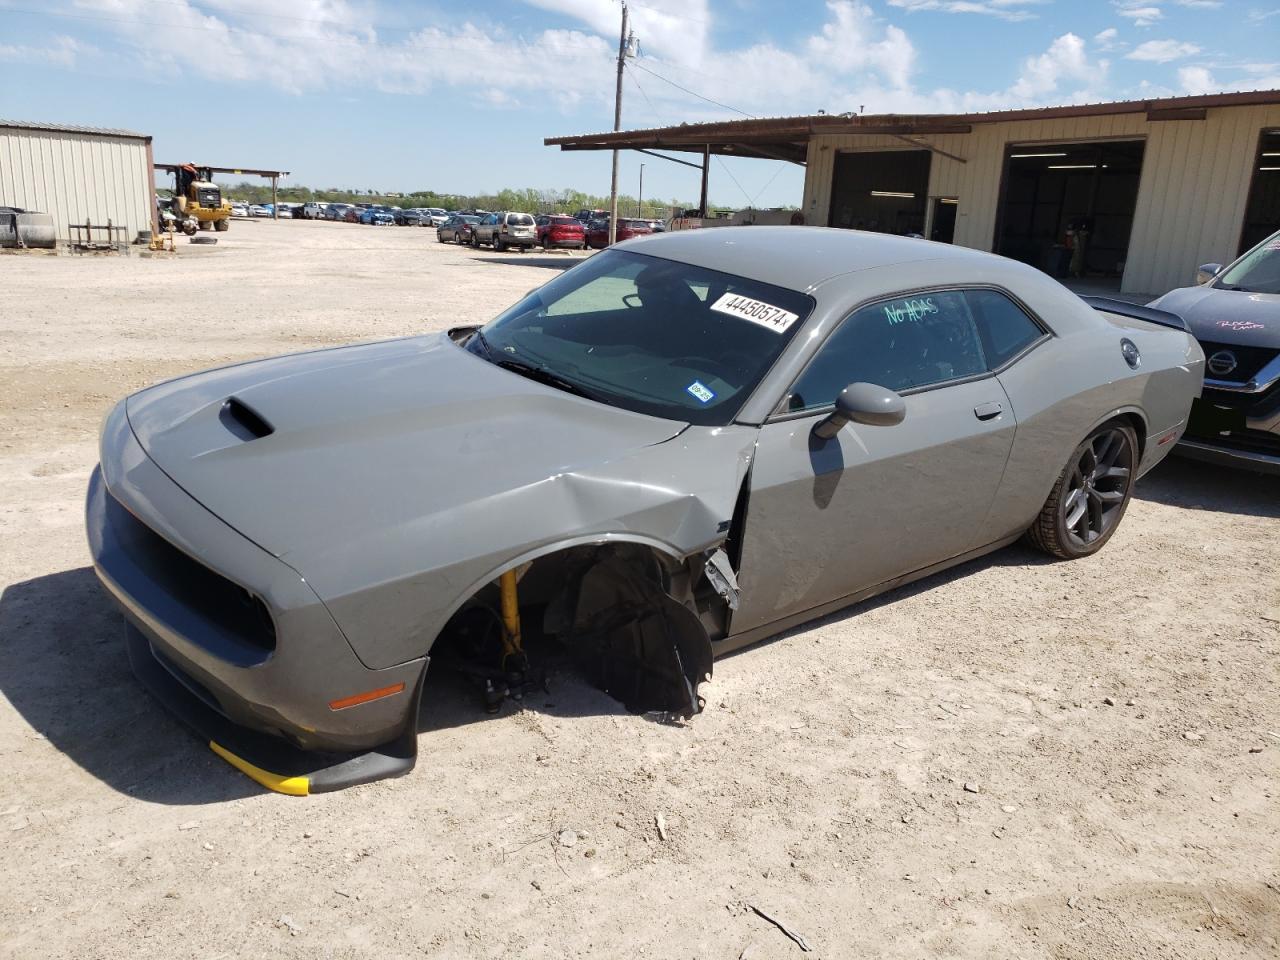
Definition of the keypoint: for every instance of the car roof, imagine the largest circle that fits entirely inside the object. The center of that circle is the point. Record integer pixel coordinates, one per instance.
(798, 258)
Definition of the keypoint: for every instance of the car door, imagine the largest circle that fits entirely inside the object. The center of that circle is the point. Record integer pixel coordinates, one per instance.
(830, 518)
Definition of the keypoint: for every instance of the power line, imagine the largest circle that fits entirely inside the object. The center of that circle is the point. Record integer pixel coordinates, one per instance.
(652, 109)
(693, 93)
(671, 13)
(725, 167)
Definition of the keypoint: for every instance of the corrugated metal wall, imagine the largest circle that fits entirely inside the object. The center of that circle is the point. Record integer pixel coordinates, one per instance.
(1191, 198)
(76, 177)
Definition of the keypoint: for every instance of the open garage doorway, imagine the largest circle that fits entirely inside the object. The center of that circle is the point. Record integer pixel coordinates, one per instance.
(882, 191)
(1262, 212)
(1067, 208)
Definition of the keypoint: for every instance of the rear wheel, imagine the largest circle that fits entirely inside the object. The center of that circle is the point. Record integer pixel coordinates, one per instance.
(475, 241)
(222, 226)
(1091, 495)
(499, 245)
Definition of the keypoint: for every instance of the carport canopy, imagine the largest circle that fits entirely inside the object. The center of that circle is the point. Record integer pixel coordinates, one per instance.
(787, 138)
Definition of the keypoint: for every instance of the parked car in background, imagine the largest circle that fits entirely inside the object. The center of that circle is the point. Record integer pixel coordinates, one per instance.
(311, 211)
(353, 214)
(1235, 315)
(337, 211)
(598, 231)
(413, 217)
(284, 211)
(437, 214)
(259, 210)
(555, 230)
(378, 217)
(239, 209)
(503, 230)
(457, 228)
(586, 216)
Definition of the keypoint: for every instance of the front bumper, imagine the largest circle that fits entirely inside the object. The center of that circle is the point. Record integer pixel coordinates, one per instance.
(232, 639)
(1235, 428)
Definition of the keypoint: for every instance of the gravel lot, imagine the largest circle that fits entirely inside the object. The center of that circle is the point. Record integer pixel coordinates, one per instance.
(1015, 758)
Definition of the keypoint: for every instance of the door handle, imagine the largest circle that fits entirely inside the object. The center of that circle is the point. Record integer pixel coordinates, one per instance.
(988, 411)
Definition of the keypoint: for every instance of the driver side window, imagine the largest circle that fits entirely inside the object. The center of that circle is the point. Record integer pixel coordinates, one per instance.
(903, 343)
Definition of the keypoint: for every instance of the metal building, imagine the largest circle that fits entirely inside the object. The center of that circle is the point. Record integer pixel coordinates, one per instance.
(1130, 195)
(78, 174)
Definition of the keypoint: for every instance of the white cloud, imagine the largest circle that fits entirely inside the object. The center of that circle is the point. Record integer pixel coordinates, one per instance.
(1108, 40)
(1197, 80)
(1142, 13)
(1199, 4)
(64, 52)
(851, 60)
(1003, 9)
(1162, 51)
(1065, 60)
(848, 43)
(670, 27)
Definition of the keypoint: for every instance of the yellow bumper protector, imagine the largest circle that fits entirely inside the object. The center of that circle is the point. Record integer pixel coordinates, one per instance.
(293, 786)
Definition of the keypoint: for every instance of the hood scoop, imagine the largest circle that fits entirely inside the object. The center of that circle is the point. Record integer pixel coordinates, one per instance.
(243, 421)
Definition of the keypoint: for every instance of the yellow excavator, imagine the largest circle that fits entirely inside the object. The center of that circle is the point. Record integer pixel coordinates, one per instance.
(197, 200)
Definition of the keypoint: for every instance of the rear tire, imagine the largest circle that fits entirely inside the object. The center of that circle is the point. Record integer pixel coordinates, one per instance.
(222, 226)
(499, 245)
(1091, 495)
(475, 241)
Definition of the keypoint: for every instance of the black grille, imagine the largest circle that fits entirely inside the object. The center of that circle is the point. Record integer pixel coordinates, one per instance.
(242, 629)
(209, 197)
(1249, 360)
(1250, 441)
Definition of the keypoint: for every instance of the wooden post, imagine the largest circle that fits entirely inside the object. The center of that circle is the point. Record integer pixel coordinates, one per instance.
(275, 203)
(706, 169)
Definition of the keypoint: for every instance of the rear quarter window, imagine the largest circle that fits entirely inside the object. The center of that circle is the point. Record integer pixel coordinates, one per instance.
(1004, 327)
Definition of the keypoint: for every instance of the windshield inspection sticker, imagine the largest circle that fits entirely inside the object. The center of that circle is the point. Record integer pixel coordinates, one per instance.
(703, 394)
(757, 311)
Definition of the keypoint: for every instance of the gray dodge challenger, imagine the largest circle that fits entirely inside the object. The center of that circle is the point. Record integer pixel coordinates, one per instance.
(1235, 314)
(685, 444)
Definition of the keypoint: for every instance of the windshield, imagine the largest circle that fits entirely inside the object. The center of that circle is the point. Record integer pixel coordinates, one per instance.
(654, 336)
(1258, 271)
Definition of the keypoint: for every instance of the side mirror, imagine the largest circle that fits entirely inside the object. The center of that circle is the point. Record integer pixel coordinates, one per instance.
(1207, 271)
(866, 403)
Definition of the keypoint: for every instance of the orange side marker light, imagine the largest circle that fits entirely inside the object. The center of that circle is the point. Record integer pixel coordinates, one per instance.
(358, 698)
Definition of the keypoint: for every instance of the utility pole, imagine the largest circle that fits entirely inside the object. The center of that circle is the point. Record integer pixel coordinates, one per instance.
(623, 43)
(640, 199)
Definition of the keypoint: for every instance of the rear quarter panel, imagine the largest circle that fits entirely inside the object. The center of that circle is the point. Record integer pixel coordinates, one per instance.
(1072, 383)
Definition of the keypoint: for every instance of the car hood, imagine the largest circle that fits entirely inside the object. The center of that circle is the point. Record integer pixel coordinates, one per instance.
(369, 439)
(1226, 316)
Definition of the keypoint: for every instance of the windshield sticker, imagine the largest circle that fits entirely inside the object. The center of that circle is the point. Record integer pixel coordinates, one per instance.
(702, 393)
(909, 311)
(757, 311)
(1240, 325)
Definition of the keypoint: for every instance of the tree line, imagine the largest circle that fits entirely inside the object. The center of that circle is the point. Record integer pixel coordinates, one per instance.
(527, 200)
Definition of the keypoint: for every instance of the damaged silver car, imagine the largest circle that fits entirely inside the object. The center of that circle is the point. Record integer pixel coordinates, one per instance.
(680, 446)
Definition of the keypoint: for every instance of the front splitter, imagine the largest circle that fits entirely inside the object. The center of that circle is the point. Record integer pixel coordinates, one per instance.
(270, 761)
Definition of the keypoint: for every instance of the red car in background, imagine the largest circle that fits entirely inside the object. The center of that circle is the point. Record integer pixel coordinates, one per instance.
(560, 231)
(598, 231)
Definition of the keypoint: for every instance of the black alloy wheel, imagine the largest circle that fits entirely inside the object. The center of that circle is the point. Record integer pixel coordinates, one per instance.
(1091, 495)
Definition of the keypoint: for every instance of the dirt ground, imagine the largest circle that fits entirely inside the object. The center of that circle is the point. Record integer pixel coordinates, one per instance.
(1013, 759)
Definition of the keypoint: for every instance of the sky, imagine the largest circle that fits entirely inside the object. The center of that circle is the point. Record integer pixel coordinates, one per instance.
(456, 97)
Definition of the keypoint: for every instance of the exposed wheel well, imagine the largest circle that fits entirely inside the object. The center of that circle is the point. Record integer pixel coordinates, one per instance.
(1139, 426)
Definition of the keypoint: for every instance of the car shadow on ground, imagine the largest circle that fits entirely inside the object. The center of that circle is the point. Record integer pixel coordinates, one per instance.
(546, 261)
(1016, 554)
(64, 669)
(1193, 485)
